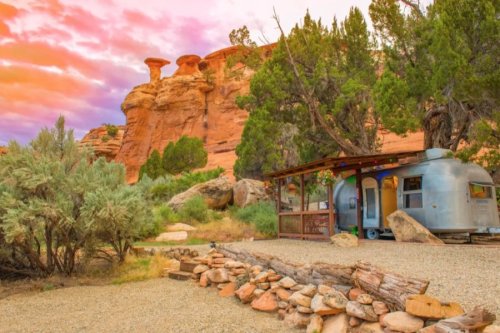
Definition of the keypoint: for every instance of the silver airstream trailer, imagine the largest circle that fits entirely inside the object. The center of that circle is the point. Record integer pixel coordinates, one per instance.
(444, 194)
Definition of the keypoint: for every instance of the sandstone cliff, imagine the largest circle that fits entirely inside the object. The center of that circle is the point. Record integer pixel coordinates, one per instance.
(102, 143)
(197, 100)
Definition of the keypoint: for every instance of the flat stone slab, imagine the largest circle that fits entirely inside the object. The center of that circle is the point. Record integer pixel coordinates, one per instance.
(178, 275)
(180, 227)
(172, 236)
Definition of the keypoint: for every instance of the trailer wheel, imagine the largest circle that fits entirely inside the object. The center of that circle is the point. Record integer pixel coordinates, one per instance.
(372, 234)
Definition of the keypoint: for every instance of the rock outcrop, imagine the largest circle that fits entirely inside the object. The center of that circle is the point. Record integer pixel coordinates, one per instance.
(197, 100)
(407, 229)
(102, 143)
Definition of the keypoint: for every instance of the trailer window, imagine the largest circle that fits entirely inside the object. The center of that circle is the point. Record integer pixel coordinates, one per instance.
(478, 191)
(412, 192)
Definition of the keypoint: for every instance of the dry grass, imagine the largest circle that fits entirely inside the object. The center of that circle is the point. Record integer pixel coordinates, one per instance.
(140, 268)
(225, 230)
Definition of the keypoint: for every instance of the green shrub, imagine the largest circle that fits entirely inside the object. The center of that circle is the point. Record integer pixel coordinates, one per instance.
(164, 214)
(184, 155)
(105, 138)
(262, 215)
(112, 130)
(195, 209)
(215, 215)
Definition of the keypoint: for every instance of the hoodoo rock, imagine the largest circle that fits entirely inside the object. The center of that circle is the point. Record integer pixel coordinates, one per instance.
(406, 229)
(155, 65)
(249, 191)
(188, 65)
(217, 194)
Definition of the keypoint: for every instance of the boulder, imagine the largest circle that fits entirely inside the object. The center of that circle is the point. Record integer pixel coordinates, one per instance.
(344, 240)
(218, 275)
(354, 293)
(249, 191)
(429, 307)
(361, 311)
(320, 308)
(217, 194)
(200, 269)
(303, 309)
(180, 227)
(266, 303)
(365, 299)
(315, 324)
(258, 292)
(380, 308)
(297, 319)
(402, 322)
(336, 324)
(283, 294)
(228, 290)
(287, 282)
(245, 292)
(172, 236)
(261, 277)
(367, 327)
(324, 289)
(335, 299)
(204, 279)
(406, 229)
(299, 299)
(308, 290)
(355, 322)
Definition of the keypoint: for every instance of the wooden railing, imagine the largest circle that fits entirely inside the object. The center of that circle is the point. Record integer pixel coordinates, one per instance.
(306, 225)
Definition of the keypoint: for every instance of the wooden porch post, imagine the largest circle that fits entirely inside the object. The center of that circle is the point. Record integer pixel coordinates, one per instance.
(302, 204)
(278, 207)
(359, 204)
(331, 217)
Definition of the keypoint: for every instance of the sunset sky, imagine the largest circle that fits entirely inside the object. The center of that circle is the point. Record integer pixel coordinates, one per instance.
(81, 58)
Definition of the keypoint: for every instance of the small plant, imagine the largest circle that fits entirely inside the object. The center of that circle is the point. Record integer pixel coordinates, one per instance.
(326, 177)
(105, 138)
(48, 287)
(262, 215)
(195, 209)
(164, 214)
(112, 130)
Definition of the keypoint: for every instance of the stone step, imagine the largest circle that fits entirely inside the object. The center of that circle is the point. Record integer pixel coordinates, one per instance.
(178, 275)
(188, 265)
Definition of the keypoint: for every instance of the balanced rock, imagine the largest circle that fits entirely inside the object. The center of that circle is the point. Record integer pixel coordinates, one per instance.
(245, 292)
(315, 324)
(429, 307)
(249, 191)
(361, 311)
(299, 299)
(402, 322)
(216, 192)
(344, 239)
(266, 302)
(406, 229)
(336, 324)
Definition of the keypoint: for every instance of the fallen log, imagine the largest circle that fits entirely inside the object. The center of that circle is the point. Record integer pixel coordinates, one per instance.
(468, 322)
(391, 287)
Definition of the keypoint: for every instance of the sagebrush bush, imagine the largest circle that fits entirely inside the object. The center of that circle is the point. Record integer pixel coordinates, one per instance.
(262, 215)
(165, 215)
(195, 209)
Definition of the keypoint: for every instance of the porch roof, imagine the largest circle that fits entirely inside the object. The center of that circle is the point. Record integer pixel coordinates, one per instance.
(337, 164)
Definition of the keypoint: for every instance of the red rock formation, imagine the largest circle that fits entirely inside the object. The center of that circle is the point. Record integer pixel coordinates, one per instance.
(102, 143)
(3, 150)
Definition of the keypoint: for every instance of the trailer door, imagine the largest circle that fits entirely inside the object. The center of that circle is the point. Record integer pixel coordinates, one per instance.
(371, 203)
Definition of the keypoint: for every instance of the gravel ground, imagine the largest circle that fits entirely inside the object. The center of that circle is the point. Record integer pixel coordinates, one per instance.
(159, 305)
(468, 274)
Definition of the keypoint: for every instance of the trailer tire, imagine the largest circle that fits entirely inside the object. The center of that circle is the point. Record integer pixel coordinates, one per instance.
(372, 234)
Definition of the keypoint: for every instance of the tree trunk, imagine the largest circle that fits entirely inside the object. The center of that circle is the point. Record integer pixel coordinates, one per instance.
(438, 128)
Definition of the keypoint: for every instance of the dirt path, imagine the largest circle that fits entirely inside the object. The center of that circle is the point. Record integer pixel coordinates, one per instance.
(159, 305)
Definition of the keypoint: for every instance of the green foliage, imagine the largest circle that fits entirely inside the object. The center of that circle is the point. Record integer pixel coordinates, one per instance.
(248, 54)
(185, 155)
(195, 209)
(182, 156)
(263, 215)
(312, 98)
(441, 73)
(48, 189)
(105, 138)
(165, 215)
(165, 187)
(112, 130)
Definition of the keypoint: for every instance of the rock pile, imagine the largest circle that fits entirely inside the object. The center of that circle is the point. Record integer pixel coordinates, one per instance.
(329, 306)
